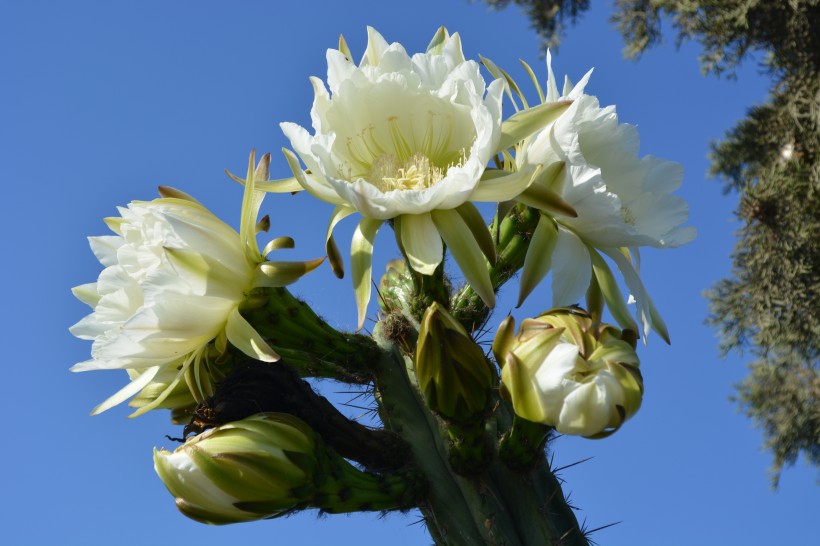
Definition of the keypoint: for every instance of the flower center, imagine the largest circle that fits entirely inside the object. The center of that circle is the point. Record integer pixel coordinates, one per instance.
(388, 173)
(403, 155)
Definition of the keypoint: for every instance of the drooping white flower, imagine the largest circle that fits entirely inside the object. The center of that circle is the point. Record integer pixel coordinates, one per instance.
(563, 370)
(405, 139)
(174, 278)
(622, 202)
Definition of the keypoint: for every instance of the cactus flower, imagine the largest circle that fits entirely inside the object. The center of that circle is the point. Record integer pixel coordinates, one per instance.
(168, 299)
(405, 139)
(619, 203)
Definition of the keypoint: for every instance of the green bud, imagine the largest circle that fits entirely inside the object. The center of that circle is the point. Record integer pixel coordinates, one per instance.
(564, 370)
(269, 465)
(395, 287)
(256, 468)
(452, 371)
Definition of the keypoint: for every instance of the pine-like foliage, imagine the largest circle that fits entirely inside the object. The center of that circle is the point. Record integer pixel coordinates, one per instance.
(770, 306)
(546, 16)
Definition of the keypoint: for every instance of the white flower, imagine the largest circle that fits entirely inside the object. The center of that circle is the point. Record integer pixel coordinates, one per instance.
(405, 139)
(622, 202)
(564, 371)
(174, 277)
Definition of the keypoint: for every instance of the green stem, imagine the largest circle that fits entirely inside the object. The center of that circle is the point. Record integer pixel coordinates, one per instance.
(310, 345)
(523, 446)
(446, 509)
(497, 506)
(354, 490)
(514, 234)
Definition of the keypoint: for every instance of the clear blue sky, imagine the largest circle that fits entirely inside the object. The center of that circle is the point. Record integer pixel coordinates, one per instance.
(102, 101)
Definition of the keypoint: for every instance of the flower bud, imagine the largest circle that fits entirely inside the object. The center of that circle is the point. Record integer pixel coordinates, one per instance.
(256, 468)
(270, 465)
(452, 371)
(563, 370)
(395, 287)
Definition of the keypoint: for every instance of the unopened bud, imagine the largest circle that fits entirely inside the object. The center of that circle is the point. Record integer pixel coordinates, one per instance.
(566, 371)
(452, 371)
(256, 468)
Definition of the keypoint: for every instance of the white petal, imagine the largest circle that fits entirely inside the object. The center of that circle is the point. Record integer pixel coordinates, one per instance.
(421, 242)
(128, 391)
(361, 264)
(312, 185)
(538, 260)
(105, 248)
(87, 293)
(571, 269)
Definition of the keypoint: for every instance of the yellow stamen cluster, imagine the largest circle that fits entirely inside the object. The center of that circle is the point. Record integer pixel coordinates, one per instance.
(405, 162)
(387, 173)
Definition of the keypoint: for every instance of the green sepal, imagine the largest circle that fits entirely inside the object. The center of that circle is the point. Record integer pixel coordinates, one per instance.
(526, 122)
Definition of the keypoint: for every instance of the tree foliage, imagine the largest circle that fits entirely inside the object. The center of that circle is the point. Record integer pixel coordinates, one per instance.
(547, 17)
(770, 306)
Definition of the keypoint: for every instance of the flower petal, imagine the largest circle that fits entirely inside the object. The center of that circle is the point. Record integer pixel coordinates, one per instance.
(244, 337)
(128, 391)
(339, 213)
(538, 260)
(421, 242)
(276, 274)
(526, 122)
(315, 188)
(645, 307)
(497, 186)
(361, 263)
(472, 217)
(466, 252)
(571, 269)
(612, 293)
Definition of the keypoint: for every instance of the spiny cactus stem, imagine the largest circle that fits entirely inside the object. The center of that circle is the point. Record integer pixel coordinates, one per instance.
(446, 508)
(354, 490)
(495, 506)
(544, 495)
(470, 448)
(523, 446)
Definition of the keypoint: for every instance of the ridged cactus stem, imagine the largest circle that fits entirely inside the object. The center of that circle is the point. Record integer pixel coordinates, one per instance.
(495, 506)
(352, 490)
(311, 345)
(544, 495)
(523, 446)
(513, 236)
(470, 448)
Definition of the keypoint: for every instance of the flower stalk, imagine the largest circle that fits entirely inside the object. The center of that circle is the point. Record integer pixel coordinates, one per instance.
(308, 343)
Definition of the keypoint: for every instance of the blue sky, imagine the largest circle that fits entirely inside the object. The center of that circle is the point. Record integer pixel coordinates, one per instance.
(103, 101)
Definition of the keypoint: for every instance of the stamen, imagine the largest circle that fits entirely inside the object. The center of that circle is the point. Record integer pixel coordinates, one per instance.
(412, 163)
(403, 149)
(354, 155)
